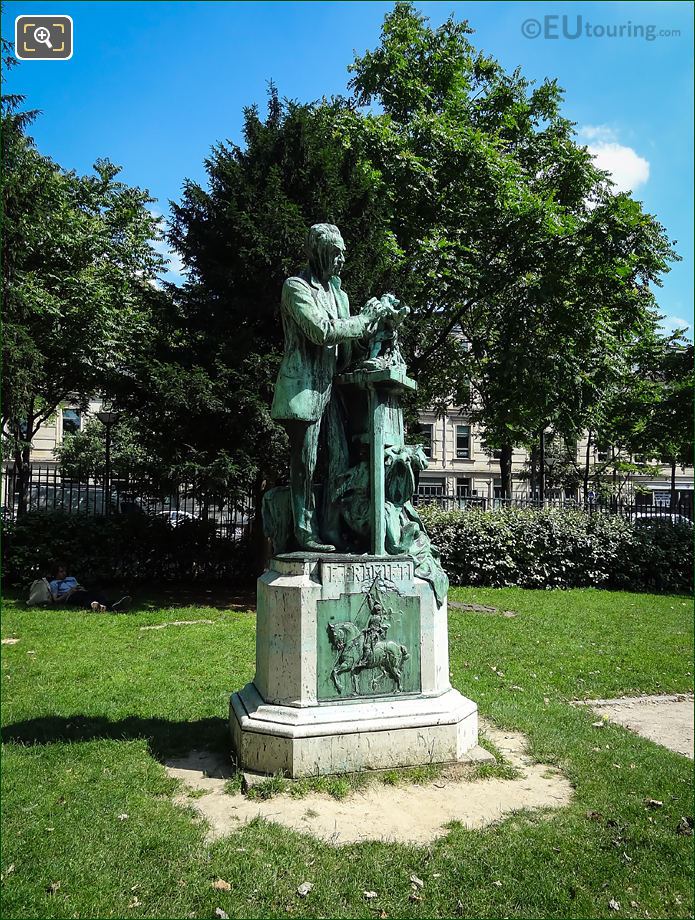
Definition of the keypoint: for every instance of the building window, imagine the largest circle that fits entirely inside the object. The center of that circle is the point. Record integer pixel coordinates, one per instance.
(497, 488)
(431, 487)
(463, 442)
(72, 421)
(497, 455)
(463, 486)
(662, 499)
(425, 437)
(602, 451)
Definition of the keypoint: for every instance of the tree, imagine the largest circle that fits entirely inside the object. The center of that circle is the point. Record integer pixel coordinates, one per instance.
(553, 468)
(643, 411)
(463, 190)
(78, 264)
(221, 337)
(650, 416)
(507, 231)
(671, 423)
(82, 455)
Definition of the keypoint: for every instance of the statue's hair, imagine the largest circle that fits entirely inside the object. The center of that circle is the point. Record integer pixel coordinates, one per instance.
(320, 239)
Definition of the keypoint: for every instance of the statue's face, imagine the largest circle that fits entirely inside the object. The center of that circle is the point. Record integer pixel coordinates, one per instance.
(337, 258)
(326, 251)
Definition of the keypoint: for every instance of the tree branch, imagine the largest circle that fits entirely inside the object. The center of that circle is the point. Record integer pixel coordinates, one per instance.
(441, 338)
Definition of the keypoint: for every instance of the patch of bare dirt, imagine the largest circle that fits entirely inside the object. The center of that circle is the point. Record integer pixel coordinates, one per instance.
(222, 597)
(484, 608)
(666, 720)
(407, 814)
(176, 623)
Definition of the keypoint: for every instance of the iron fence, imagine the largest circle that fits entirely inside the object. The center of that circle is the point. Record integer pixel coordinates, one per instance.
(48, 490)
(680, 511)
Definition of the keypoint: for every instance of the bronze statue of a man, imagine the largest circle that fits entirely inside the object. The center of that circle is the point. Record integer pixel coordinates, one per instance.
(319, 331)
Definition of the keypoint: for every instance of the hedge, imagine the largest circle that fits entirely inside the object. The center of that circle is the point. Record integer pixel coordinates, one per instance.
(559, 548)
(123, 547)
(526, 548)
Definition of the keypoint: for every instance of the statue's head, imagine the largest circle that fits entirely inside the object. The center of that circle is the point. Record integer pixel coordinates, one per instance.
(325, 250)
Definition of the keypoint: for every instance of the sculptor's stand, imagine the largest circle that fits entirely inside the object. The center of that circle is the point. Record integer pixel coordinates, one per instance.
(385, 430)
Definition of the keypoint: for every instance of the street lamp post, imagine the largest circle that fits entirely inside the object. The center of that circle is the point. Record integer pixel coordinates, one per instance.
(108, 418)
(541, 471)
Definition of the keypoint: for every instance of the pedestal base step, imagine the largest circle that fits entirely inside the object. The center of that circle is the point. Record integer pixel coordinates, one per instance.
(350, 737)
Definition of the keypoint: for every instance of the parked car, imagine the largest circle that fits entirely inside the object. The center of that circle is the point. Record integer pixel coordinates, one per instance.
(656, 519)
(73, 500)
(234, 528)
(176, 518)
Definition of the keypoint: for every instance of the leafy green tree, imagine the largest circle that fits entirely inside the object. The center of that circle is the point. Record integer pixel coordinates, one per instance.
(220, 341)
(557, 465)
(671, 418)
(507, 232)
(648, 415)
(82, 454)
(457, 185)
(78, 264)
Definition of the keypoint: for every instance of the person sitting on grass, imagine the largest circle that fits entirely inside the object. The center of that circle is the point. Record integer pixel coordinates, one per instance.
(66, 590)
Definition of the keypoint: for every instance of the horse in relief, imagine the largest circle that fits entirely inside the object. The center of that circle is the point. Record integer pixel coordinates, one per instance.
(355, 655)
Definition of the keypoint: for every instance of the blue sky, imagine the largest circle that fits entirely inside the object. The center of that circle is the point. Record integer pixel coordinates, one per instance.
(152, 85)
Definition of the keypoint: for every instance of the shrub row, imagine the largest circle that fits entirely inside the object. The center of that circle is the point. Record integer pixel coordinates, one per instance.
(550, 548)
(124, 547)
(525, 548)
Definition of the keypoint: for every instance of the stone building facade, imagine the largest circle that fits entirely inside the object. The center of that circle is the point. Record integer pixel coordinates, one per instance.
(460, 466)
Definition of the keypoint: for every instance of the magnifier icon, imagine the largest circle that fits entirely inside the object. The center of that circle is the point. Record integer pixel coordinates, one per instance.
(43, 36)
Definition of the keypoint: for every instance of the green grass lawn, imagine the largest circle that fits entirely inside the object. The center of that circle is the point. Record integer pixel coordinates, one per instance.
(91, 704)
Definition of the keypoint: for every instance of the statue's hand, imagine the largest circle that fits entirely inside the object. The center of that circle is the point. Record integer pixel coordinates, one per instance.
(373, 312)
(386, 313)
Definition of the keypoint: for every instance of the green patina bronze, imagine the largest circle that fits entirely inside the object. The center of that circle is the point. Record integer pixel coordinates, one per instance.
(368, 645)
(338, 393)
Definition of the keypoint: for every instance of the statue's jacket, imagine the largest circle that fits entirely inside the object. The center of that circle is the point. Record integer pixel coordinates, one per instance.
(316, 327)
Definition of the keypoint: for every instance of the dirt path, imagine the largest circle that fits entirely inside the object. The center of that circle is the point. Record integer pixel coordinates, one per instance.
(666, 720)
(407, 813)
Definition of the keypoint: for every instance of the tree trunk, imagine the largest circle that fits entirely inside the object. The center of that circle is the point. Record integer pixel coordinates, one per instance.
(506, 470)
(22, 459)
(22, 477)
(587, 466)
(674, 501)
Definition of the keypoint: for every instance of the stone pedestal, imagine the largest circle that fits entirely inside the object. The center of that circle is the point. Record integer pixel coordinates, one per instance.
(342, 686)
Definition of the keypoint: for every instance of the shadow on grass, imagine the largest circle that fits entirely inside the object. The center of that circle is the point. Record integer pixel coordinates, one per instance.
(221, 597)
(236, 597)
(165, 738)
